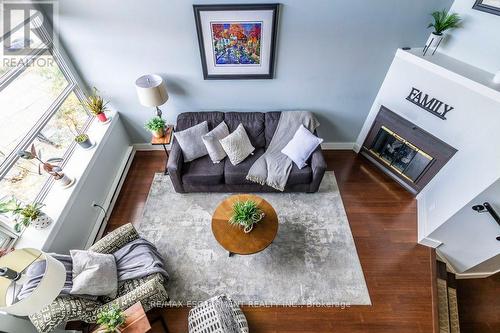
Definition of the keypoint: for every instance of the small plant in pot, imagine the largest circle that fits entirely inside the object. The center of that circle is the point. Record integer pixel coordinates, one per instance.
(111, 320)
(83, 140)
(443, 21)
(156, 126)
(25, 215)
(97, 106)
(53, 170)
(246, 214)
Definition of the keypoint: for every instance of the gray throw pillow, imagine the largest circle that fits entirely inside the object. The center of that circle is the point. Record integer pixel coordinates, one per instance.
(237, 145)
(211, 141)
(94, 274)
(191, 143)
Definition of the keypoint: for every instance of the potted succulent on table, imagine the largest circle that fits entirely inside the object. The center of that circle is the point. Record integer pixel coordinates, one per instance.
(53, 170)
(246, 214)
(81, 138)
(25, 215)
(97, 106)
(443, 21)
(110, 320)
(156, 126)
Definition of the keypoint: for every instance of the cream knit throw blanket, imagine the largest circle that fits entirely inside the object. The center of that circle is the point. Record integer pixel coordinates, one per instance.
(273, 167)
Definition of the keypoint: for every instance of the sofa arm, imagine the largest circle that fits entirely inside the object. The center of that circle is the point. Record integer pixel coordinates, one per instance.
(174, 166)
(318, 166)
(150, 291)
(116, 239)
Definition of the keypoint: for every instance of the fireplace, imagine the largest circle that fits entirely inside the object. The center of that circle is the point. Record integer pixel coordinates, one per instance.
(404, 151)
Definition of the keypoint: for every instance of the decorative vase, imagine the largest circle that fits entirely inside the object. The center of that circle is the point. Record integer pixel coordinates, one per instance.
(433, 42)
(248, 228)
(102, 117)
(41, 222)
(159, 133)
(255, 219)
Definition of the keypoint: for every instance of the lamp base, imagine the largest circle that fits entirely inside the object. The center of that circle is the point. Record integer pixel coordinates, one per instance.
(158, 112)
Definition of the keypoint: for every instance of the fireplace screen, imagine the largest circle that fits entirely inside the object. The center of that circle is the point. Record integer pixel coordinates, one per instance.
(399, 154)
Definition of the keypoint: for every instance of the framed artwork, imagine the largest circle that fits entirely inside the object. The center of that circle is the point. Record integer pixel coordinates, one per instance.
(489, 6)
(237, 41)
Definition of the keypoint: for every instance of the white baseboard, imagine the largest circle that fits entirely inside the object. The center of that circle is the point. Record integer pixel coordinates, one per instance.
(324, 145)
(111, 198)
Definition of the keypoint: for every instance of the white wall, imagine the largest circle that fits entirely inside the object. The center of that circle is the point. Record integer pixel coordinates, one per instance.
(469, 238)
(478, 41)
(472, 128)
(331, 57)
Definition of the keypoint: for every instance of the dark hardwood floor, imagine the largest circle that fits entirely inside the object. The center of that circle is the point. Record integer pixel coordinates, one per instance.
(382, 217)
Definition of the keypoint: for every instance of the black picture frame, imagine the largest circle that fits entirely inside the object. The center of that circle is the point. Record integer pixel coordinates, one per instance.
(478, 5)
(274, 7)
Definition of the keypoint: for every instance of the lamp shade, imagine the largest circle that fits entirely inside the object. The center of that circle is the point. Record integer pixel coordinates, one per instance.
(12, 267)
(151, 90)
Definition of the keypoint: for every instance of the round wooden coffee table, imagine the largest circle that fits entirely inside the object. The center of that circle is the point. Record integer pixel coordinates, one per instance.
(232, 238)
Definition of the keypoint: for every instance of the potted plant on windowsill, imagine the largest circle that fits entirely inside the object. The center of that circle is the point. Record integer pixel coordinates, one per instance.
(25, 215)
(156, 126)
(110, 320)
(97, 106)
(55, 171)
(81, 138)
(246, 214)
(443, 21)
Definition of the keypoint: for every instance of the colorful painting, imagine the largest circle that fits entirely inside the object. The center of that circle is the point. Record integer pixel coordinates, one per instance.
(236, 43)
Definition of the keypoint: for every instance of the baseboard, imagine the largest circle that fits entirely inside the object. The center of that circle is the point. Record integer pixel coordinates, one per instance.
(109, 202)
(324, 145)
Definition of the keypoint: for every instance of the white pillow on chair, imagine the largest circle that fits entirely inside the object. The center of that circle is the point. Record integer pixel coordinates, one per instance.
(302, 145)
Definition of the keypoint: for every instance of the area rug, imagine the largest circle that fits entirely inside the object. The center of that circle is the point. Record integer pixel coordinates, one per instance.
(312, 262)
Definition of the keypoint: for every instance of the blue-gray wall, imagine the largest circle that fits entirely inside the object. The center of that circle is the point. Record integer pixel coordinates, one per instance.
(332, 56)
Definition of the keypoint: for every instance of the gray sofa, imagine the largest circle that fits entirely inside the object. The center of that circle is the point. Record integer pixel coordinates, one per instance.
(201, 175)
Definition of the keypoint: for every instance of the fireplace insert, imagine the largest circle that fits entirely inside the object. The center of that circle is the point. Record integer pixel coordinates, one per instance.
(404, 151)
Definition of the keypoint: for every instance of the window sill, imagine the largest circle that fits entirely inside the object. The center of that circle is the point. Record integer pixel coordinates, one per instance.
(58, 201)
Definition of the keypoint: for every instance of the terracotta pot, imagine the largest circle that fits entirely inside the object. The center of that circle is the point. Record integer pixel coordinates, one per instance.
(159, 133)
(102, 117)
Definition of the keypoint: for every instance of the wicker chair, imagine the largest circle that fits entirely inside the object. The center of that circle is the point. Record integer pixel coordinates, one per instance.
(150, 291)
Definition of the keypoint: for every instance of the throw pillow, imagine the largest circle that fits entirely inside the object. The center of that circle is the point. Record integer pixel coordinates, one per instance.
(211, 141)
(302, 145)
(192, 145)
(93, 274)
(237, 145)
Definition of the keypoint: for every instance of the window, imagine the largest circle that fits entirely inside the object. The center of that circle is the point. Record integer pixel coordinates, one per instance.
(39, 104)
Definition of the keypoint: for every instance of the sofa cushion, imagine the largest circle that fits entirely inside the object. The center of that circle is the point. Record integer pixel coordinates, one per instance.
(211, 141)
(237, 145)
(191, 141)
(300, 176)
(203, 171)
(271, 119)
(302, 145)
(236, 174)
(189, 119)
(253, 122)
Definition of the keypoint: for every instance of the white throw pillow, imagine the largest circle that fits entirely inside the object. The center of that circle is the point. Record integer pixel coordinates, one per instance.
(302, 145)
(192, 145)
(237, 145)
(93, 274)
(211, 141)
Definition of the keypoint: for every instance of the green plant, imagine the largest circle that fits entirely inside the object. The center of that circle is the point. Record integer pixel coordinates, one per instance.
(95, 103)
(155, 124)
(245, 213)
(23, 214)
(47, 166)
(81, 138)
(111, 319)
(444, 21)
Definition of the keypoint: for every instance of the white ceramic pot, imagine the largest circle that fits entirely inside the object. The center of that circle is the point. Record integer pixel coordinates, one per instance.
(41, 222)
(433, 43)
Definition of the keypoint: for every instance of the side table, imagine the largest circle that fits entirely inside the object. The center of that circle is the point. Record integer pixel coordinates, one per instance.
(164, 141)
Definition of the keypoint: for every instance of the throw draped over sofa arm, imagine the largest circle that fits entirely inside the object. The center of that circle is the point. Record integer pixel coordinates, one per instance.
(150, 291)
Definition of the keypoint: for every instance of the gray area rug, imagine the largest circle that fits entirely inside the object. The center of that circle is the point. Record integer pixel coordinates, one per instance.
(312, 261)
